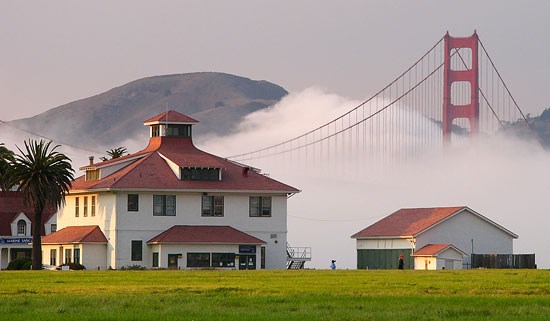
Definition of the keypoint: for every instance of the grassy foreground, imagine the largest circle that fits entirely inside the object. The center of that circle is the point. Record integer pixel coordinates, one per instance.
(275, 295)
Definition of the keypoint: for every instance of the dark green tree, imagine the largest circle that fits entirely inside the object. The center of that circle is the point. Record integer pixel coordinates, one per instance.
(44, 176)
(6, 158)
(115, 153)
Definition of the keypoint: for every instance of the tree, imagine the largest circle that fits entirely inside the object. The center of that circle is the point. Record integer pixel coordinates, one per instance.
(44, 176)
(115, 153)
(6, 157)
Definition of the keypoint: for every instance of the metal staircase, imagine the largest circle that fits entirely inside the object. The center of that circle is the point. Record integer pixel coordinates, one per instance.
(296, 257)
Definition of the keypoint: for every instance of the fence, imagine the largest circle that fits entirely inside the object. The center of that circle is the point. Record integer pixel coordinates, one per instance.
(504, 261)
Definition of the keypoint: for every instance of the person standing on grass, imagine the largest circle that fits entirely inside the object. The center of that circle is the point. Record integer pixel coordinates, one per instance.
(333, 265)
(401, 263)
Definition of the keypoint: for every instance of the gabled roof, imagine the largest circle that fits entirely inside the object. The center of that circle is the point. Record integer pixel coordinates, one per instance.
(150, 170)
(409, 222)
(204, 234)
(170, 117)
(76, 234)
(11, 205)
(435, 249)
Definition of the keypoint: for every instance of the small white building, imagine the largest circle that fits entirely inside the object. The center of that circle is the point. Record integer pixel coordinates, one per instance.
(16, 219)
(172, 205)
(438, 257)
(430, 238)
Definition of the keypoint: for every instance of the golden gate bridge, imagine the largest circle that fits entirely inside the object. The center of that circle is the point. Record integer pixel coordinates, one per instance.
(452, 94)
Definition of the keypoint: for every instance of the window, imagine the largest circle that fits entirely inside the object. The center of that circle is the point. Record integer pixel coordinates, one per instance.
(137, 250)
(92, 175)
(53, 255)
(164, 205)
(260, 206)
(178, 130)
(155, 131)
(223, 259)
(200, 174)
(53, 228)
(68, 256)
(76, 253)
(76, 206)
(212, 206)
(155, 259)
(133, 202)
(85, 210)
(21, 227)
(92, 213)
(198, 259)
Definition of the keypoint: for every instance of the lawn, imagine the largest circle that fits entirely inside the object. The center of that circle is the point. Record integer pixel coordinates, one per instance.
(275, 295)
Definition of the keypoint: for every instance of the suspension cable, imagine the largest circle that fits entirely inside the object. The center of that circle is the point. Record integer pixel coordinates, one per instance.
(345, 114)
(506, 87)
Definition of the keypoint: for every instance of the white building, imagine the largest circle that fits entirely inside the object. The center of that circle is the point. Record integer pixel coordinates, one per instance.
(16, 219)
(172, 205)
(430, 238)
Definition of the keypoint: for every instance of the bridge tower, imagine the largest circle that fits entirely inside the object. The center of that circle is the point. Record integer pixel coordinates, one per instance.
(468, 74)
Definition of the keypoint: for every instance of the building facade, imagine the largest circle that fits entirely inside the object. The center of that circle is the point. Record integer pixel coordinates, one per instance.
(147, 205)
(425, 235)
(16, 219)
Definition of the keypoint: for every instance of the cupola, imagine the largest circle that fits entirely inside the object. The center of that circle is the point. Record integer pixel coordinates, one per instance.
(170, 124)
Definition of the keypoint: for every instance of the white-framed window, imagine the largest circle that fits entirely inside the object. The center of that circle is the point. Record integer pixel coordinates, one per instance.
(53, 256)
(137, 250)
(76, 206)
(212, 206)
(21, 227)
(133, 203)
(85, 210)
(92, 206)
(260, 206)
(164, 205)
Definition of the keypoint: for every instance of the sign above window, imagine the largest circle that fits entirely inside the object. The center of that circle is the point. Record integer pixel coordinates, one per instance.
(247, 249)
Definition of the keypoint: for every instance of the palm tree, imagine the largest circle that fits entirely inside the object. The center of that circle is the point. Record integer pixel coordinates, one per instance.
(115, 153)
(6, 157)
(44, 176)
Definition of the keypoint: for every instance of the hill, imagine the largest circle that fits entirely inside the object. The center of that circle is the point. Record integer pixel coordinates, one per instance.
(219, 101)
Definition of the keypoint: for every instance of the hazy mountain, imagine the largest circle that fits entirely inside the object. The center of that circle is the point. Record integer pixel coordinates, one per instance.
(219, 101)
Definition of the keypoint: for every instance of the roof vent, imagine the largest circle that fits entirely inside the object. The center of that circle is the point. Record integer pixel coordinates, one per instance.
(245, 171)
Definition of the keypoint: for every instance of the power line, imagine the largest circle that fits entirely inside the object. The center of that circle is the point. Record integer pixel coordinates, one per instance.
(49, 138)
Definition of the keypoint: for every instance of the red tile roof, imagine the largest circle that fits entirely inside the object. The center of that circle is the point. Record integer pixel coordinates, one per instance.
(431, 249)
(408, 222)
(204, 234)
(153, 172)
(76, 234)
(11, 205)
(171, 117)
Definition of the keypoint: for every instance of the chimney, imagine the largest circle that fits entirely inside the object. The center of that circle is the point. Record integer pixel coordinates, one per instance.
(245, 171)
(91, 158)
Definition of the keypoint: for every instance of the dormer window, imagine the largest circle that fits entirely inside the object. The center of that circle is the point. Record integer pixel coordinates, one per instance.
(92, 175)
(200, 174)
(21, 227)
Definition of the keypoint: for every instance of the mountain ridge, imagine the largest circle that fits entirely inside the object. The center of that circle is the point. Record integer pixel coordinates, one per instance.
(218, 100)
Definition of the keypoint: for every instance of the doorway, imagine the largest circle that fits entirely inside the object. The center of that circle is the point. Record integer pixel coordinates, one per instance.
(247, 262)
(173, 261)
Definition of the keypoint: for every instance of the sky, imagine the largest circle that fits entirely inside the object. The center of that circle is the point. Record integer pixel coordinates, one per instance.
(328, 55)
(55, 52)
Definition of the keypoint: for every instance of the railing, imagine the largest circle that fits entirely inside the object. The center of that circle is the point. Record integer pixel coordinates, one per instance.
(298, 253)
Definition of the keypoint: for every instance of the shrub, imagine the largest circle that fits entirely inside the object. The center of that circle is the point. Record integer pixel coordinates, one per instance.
(20, 263)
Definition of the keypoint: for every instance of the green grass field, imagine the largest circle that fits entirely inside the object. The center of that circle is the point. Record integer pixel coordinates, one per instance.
(275, 295)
